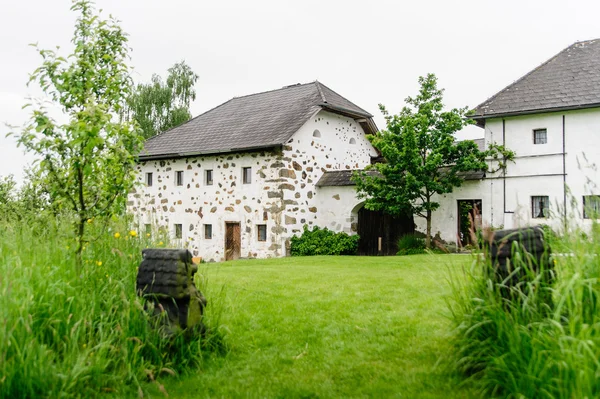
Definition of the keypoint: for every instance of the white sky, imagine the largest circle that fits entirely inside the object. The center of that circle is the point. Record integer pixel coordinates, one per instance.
(368, 51)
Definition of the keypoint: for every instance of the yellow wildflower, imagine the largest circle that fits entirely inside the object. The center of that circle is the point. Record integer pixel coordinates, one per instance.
(89, 220)
(117, 235)
(99, 263)
(147, 234)
(84, 346)
(133, 233)
(160, 243)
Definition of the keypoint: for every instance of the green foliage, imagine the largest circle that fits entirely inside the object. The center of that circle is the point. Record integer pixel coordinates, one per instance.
(82, 334)
(159, 106)
(512, 342)
(411, 244)
(323, 242)
(30, 201)
(87, 163)
(423, 158)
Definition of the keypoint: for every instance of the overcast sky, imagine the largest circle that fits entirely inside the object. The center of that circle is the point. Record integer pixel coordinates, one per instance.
(370, 51)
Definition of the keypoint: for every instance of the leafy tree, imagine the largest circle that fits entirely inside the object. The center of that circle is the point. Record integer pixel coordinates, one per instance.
(88, 162)
(159, 106)
(423, 158)
(8, 193)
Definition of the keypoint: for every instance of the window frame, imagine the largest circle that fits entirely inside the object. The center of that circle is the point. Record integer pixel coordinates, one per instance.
(545, 140)
(246, 178)
(537, 198)
(148, 179)
(258, 230)
(179, 178)
(178, 231)
(208, 182)
(586, 206)
(208, 228)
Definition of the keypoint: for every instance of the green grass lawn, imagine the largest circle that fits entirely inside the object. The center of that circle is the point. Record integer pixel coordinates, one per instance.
(328, 327)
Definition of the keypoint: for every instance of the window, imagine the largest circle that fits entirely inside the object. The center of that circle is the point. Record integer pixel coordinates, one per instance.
(540, 206)
(149, 179)
(540, 136)
(148, 229)
(247, 175)
(352, 140)
(208, 177)
(591, 206)
(208, 231)
(262, 232)
(178, 231)
(179, 178)
(316, 133)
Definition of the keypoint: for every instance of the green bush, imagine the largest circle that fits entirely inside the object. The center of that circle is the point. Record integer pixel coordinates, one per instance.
(533, 341)
(65, 333)
(411, 244)
(323, 242)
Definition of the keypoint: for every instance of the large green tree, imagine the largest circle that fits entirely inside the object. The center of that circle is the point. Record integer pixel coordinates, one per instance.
(87, 162)
(161, 105)
(423, 159)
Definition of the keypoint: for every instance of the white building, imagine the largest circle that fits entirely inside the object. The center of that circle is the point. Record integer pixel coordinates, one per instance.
(551, 119)
(242, 178)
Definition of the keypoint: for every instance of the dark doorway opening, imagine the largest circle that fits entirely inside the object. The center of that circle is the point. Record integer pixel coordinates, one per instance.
(233, 241)
(379, 232)
(469, 221)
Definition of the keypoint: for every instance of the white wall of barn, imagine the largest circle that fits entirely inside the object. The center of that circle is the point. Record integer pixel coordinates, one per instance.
(537, 171)
(282, 193)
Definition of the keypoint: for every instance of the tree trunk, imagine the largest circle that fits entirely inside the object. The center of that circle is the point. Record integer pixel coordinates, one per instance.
(80, 231)
(428, 237)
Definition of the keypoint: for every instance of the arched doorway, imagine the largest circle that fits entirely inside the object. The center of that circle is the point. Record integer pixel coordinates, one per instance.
(379, 232)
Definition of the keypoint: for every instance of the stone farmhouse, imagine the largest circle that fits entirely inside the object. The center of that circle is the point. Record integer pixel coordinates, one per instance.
(551, 119)
(242, 178)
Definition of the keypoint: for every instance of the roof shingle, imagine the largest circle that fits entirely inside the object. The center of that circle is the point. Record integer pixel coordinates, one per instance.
(254, 121)
(569, 80)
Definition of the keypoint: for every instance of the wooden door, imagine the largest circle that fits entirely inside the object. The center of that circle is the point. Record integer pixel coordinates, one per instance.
(233, 241)
(376, 226)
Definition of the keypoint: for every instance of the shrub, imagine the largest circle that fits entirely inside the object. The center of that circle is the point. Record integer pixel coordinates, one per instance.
(323, 242)
(411, 244)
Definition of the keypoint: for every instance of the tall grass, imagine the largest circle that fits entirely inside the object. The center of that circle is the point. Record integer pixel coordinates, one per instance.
(516, 342)
(65, 333)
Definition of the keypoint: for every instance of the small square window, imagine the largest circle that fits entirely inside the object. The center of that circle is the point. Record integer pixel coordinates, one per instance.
(247, 175)
(540, 136)
(148, 228)
(262, 232)
(179, 178)
(591, 206)
(208, 177)
(540, 206)
(178, 231)
(208, 231)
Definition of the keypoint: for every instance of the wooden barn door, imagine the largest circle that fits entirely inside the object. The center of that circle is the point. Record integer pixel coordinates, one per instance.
(233, 241)
(379, 232)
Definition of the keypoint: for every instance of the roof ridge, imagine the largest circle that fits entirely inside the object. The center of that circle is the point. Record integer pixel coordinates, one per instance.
(330, 89)
(524, 76)
(270, 91)
(318, 84)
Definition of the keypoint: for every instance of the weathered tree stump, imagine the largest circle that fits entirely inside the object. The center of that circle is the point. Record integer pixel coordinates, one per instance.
(166, 281)
(520, 256)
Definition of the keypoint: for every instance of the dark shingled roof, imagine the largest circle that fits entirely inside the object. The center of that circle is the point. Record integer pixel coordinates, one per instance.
(254, 121)
(569, 80)
(343, 177)
(339, 177)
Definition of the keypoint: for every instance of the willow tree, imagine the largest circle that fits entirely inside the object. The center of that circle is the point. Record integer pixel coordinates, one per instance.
(161, 105)
(423, 159)
(88, 161)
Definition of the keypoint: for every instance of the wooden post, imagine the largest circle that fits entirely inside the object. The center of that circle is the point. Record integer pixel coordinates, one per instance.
(379, 245)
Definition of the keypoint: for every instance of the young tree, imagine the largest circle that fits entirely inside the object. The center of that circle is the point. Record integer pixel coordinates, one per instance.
(88, 162)
(159, 106)
(423, 158)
